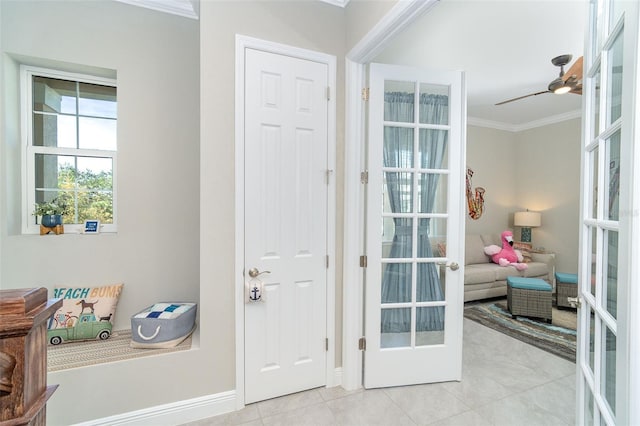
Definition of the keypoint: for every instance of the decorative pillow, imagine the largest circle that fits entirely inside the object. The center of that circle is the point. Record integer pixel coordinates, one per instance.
(525, 249)
(94, 306)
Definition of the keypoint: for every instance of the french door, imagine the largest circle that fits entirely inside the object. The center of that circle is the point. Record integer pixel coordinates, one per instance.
(607, 368)
(415, 226)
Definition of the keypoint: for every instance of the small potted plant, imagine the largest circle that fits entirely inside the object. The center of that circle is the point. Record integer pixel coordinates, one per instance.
(51, 212)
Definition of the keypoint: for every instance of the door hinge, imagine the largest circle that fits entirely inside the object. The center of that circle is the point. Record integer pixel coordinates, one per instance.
(363, 261)
(328, 173)
(365, 94)
(575, 302)
(364, 176)
(326, 344)
(362, 344)
(328, 93)
(327, 261)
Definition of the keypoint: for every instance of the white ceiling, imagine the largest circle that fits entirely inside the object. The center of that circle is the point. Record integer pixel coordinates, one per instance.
(505, 48)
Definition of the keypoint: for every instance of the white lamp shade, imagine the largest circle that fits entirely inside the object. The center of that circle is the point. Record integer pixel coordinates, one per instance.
(527, 219)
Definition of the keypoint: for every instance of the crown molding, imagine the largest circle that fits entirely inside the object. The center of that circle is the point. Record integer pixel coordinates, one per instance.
(186, 8)
(339, 3)
(479, 122)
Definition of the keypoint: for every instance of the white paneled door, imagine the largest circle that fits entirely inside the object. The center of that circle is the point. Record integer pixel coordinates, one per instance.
(415, 226)
(285, 224)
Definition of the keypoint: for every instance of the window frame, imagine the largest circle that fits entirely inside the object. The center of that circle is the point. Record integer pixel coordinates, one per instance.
(29, 151)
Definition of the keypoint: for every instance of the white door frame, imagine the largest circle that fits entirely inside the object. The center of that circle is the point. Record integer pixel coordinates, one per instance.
(242, 43)
(400, 15)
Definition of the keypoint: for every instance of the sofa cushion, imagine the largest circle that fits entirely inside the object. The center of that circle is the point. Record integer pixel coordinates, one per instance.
(536, 269)
(479, 273)
(502, 272)
(474, 250)
(491, 239)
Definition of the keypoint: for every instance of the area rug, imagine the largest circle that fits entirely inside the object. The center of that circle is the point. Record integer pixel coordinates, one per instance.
(556, 338)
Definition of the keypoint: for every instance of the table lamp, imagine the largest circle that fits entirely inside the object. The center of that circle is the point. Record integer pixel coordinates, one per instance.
(527, 220)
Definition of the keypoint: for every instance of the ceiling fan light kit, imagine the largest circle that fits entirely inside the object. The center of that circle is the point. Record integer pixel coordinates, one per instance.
(559, 87)
(565, 83)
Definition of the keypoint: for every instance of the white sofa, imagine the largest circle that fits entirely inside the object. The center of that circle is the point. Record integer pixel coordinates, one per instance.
(484, 279)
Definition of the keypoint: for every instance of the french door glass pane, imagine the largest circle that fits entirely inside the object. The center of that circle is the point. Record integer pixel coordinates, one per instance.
(430, 329)
(427, 273)
(399, 101)
(398, 147)
(594, 251)
(395, 328)
(591, 337)
(433, 149)
(610, 280)
(593, 194)
(597, 11)
(608, 370)
(396, 282)
(613, 160)
(400, 198)
(397, 238)
(595, 106)
(434, 94)
(614, 98)
(432, 234)
(432, 193)
(588, 406)
(615, 13)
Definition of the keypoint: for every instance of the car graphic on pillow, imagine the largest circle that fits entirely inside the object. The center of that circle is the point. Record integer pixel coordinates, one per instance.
(86, 327)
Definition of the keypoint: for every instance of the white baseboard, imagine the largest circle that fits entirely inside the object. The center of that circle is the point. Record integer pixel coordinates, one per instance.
(182, 411)
(337, 376)
(173, 413)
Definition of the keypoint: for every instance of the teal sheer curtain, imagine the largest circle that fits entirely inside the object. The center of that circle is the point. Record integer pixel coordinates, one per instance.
(398, 152)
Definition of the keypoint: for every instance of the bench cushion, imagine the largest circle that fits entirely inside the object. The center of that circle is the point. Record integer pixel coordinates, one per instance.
(528, 283)
(567, 278)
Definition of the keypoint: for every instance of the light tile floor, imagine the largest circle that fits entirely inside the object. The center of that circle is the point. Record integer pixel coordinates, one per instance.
(504, 382)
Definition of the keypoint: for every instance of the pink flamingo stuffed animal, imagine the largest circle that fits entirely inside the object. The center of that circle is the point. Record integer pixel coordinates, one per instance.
(506, 255)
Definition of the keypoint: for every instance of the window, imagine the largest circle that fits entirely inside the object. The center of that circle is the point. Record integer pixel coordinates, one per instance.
(69, 125)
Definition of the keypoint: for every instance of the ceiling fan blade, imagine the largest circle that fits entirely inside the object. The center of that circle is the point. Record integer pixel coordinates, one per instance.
(522, 97)
(575, 70)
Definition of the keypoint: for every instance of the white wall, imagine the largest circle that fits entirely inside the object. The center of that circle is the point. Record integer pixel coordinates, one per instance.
(155, 253)
(491, 154)
(548, 177)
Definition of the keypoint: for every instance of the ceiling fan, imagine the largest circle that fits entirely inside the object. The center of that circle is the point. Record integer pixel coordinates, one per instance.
(569, 82)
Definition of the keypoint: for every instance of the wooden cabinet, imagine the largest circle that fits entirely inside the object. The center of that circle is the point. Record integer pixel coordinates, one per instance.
(23, 355)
